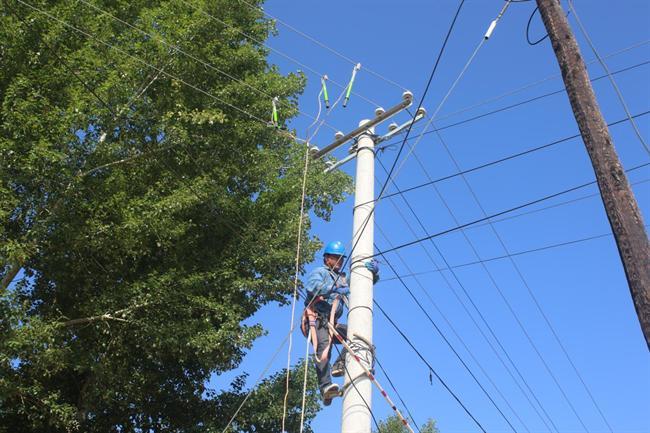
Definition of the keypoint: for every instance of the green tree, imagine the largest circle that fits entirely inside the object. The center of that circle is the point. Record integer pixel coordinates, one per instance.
(393, 424)
(145, 219)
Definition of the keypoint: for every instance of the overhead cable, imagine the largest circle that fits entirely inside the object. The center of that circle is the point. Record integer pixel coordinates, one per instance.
(503, 212)
(450, 287)
(446, 340)
(275, 100)
(619, 94)
(497, 286)
(322, 45)
(275, 50)
(500, 160)
(537, 82)
(145, 63)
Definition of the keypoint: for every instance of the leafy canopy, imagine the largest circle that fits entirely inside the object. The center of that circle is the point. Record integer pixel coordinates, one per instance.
(142, 219)
(393, 424)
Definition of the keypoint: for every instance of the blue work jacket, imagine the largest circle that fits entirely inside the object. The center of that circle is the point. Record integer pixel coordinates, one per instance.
(321, 282)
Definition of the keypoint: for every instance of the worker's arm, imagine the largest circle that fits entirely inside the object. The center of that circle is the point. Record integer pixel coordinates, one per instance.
(316, 284)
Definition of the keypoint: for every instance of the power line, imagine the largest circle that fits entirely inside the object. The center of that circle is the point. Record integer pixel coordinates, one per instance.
(450, 287)
(563, 203)
(522, 252)
(196, 59)
(527, 101)
(322, 45)
(431, 369)
(424, 94)
(611, 79)
(503, 212)
(447, 95)
(500, 160)
(479, 313)
(487, 394)
(537, 83)
(528, 288)
(275, 50)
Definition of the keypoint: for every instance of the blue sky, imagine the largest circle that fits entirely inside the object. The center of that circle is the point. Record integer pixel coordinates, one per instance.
(580, 287)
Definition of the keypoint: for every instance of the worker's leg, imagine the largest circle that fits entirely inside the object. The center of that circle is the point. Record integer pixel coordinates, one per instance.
(338, 368)
(323, 366)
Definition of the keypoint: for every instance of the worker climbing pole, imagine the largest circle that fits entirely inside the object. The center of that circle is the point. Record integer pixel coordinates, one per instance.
(357, 390)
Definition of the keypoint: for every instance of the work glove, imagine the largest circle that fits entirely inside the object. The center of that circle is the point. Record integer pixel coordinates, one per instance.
(373, 266)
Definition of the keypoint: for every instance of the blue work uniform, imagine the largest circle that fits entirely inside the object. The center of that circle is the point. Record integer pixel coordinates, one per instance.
(323, 281)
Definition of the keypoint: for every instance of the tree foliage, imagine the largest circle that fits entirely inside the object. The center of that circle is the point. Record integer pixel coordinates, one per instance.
(393, 424)
(147, 218)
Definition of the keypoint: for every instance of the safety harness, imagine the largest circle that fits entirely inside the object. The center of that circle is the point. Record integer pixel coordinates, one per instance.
(311, 316)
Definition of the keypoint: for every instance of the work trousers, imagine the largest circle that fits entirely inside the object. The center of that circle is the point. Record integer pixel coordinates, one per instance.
(323, 370)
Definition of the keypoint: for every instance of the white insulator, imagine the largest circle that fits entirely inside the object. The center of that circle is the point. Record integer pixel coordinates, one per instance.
(490, 29)
(407, 96)
(338, 135)
(421, 112)
(393, 126)
(379, 111)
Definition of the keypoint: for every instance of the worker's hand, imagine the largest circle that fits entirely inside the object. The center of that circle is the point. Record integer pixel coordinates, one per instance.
(373, 266)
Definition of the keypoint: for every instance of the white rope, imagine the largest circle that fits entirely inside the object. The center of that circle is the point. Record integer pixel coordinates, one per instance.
(304, 385)
(295, 282)
(297, 269)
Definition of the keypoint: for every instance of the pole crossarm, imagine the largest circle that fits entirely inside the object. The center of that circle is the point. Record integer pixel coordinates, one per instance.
(381, 115)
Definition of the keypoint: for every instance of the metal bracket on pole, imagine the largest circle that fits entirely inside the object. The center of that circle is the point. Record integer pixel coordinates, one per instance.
(394, 130)
(380, 116)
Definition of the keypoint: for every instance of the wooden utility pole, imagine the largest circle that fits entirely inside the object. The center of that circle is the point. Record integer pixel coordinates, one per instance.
(621, 206)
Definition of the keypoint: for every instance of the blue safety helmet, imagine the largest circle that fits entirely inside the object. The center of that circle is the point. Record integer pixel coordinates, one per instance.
(335, 248)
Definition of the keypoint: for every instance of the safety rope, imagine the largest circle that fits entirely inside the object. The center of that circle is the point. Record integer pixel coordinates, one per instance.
(295, 283)
(370, 375)
(322, 93)
(304, 385)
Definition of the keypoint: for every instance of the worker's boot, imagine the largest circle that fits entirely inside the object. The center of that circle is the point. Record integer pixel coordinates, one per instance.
(338, 369)
(329, 392)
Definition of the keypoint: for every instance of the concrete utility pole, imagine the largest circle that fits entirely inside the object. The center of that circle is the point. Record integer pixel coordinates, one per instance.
(621, 206)
(357, 391)
(356, 416)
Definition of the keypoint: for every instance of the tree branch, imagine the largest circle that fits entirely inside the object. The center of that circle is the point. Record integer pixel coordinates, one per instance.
(103, 317)
(11, 274)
